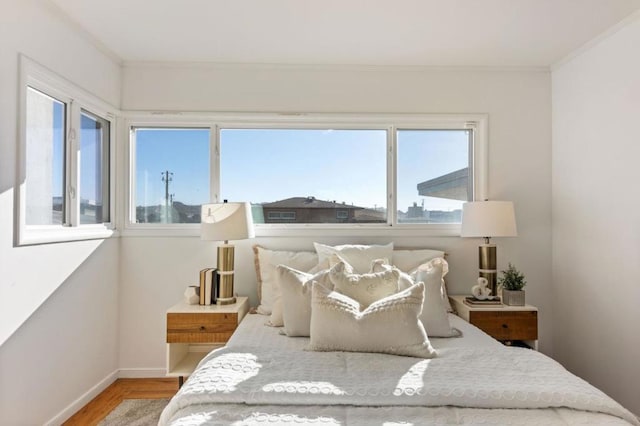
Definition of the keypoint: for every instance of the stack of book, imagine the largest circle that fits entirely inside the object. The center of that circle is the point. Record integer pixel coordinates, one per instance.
(472, 301)
(208, 286)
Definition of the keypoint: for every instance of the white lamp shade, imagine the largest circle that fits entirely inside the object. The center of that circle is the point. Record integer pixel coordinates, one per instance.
(488, 219)
(226, 221)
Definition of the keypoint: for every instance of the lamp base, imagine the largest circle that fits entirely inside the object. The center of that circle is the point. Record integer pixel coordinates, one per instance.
(487, 263)
(225, 295)
(226, 301)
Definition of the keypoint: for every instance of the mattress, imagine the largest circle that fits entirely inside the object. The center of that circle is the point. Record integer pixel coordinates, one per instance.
(263, 377)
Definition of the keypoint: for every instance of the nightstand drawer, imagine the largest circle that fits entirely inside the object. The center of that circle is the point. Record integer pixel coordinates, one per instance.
(200, 327)
(507, 325)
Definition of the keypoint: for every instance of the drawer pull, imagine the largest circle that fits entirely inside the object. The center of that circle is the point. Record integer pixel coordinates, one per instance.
(202, 327)
(505, 326)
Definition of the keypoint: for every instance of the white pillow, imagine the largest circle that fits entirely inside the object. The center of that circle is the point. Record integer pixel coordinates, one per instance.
(364, 288)
(434, 315)
(425, 268)
(295, 287)
(408, 260)
(358, 256)
(390, 325)
(267, 262)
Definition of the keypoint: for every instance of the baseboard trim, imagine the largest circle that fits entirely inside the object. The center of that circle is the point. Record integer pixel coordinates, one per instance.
(83, 400)
(141, 373)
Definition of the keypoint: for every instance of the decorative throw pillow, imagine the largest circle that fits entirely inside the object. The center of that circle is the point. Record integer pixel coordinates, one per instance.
(364, 288)
(295, 288)
(434, 315)
(358, 256)
(266, 262)
(408, 260)
(390, 325)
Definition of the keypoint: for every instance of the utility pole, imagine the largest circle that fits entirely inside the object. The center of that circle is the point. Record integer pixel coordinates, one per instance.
(167, 177)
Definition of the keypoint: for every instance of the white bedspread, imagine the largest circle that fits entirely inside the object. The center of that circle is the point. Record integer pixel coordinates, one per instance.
(254, 385)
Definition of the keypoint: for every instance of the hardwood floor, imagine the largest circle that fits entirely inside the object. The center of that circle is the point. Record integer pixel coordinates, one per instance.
(98, 408)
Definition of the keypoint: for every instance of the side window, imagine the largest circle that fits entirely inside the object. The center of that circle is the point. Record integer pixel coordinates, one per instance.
(65, 153)
(172, 168)
(45, 135)
(94, 168)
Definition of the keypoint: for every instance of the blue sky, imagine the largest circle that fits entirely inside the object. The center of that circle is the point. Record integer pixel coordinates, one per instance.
(264, 166)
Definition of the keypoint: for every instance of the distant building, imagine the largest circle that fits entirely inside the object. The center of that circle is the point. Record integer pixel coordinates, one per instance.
(415, 211)
(312, 210)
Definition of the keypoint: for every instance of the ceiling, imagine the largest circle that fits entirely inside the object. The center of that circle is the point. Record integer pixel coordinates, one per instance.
(503, 33)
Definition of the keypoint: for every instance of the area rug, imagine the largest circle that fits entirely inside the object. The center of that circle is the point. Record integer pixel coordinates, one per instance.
(135, 412)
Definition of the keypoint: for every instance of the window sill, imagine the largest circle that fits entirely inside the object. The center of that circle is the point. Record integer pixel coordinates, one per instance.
(311, 230)
(33, 235)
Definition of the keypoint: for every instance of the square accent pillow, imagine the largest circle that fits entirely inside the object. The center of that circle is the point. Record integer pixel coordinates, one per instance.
(434, 315)
(390, 325)
(266, 262)
(409, 260)
(364, 288)
(436, 306)
(295, 289)
(358, 256)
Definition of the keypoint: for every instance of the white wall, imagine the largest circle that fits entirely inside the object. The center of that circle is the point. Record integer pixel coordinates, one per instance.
(66, 293)
(155, 271)
(596, 231)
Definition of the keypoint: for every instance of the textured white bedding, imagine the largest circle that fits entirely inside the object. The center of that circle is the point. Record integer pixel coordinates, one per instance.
(262, 377)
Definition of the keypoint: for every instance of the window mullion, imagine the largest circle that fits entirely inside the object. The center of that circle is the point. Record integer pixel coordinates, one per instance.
(392, 212)
(72, 166)
(214, 151)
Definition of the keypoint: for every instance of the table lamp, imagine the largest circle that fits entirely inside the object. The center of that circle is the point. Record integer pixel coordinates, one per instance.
(488, 219)
(224, 222)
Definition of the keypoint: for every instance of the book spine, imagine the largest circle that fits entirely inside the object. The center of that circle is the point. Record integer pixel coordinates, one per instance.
(207, 288)
(203, 274)
(214, 286)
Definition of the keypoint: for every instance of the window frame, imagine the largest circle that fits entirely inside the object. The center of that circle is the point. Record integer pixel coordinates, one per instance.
(391, 123)
(76, 100)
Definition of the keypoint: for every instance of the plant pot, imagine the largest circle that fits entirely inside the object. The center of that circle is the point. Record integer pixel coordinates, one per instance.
(513, 297)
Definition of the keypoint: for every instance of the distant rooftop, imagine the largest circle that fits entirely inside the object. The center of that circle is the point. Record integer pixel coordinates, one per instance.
(308, 203)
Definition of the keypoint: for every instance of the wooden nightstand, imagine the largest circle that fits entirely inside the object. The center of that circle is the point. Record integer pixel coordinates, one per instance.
(195, 330)
(508, 324)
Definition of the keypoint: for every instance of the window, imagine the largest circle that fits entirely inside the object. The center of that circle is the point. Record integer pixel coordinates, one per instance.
(94, 168)
(45, 153)
(433, 175)
(171, 174)
(309, 172)
(279, 216)
(316, 172)
(65, 158)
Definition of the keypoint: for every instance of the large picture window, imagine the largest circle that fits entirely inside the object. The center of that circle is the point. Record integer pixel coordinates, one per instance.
(65, 160)
(306, 175)
(329, 172)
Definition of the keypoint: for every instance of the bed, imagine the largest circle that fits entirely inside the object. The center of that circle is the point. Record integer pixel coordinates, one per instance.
(264, 377)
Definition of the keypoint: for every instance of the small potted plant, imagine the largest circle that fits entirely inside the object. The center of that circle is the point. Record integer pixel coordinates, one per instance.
(512, 283)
